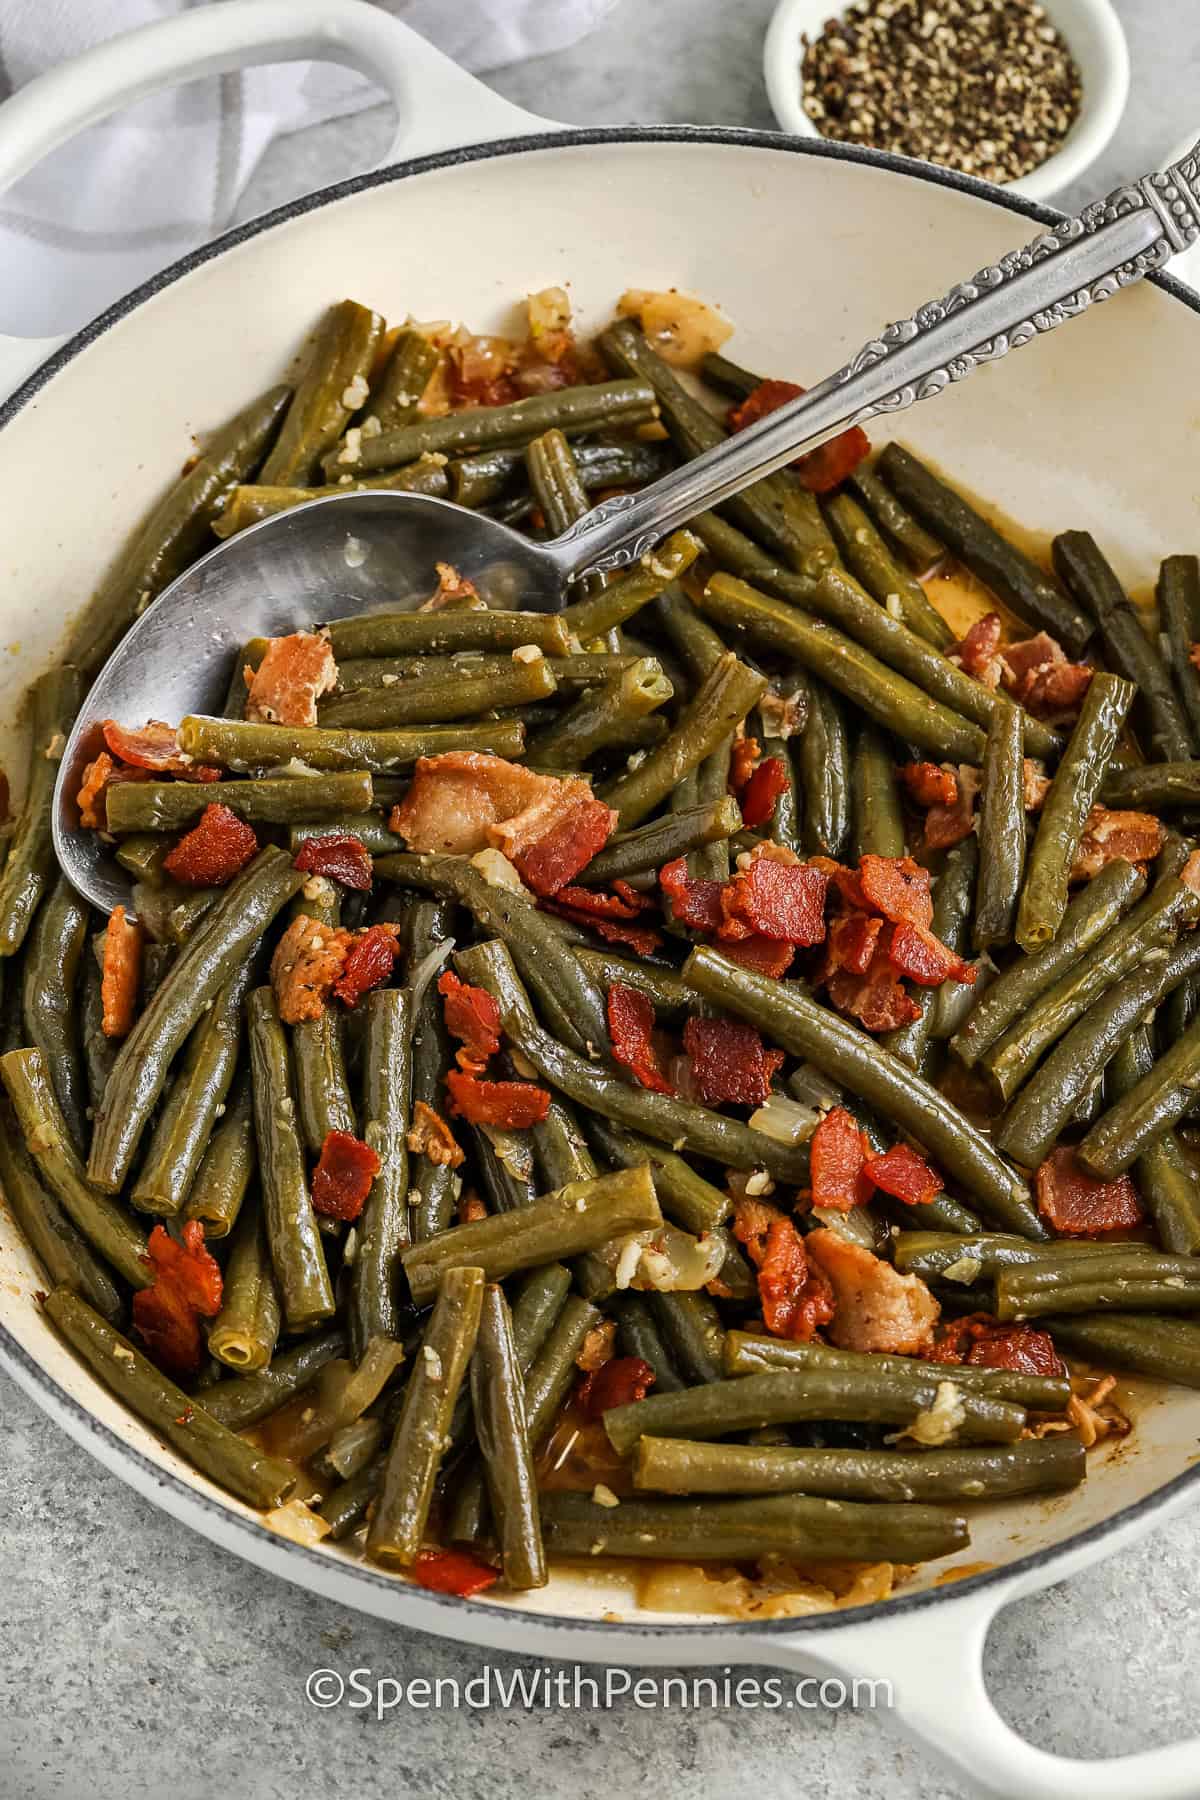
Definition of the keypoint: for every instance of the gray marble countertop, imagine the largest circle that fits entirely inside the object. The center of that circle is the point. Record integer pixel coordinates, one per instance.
(138, 1661)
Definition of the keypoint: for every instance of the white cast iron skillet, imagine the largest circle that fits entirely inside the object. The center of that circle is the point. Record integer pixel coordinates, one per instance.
(809, 248)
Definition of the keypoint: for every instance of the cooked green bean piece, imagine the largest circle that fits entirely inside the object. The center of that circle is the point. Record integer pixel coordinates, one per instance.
(260, 1480)
(489, 474)
(319, 1070)
(383, 1228)
(710, 862)
(1032, 1293)
(1040, 1113)
(436, 699)
(99, 1051)
(398, 1527)
(62, 1250)
(1010, 574)
(143, 855)
(1165, 1174)
(558, 491)
(1128, 648)
(1165, 1348)
(581, 1216)
(678, 1466)
(235, 744)
(919, 548)
(953, 897)
(368, 828)
(30, 866)
(692, 1331)
(227, 1166)
(49, 979)
(729, 376)
(638, 1335)
(627, 594)
(1001, 830)
(824, 767)
(1152, 926)
(1179, 620)
(875, 800)
(244, 1332)
(357, 673)
(248, 504)
(498, 1396)
(662, 840)
(1151, 1107)
(296, 1250)
(867, 556)
(665, 987)
(285, 800)
(747, 1353)
(1155, 787)
(944, 1256)
(685, 1197)
(600, 719)
(397, 389)
(1066, 808)
(847, 1054)
(446, 632)
(1089, 917)
(696, 643)
(332, 387)
(434, 1186)
(248, 1399)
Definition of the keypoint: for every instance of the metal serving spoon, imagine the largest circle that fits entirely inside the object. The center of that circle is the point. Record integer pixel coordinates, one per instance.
(363, 552)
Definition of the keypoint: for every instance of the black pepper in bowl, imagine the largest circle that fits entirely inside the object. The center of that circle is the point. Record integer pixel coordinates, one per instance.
(985, 86)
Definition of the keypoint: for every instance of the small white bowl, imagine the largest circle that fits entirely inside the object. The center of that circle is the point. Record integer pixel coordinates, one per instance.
(1091, 29)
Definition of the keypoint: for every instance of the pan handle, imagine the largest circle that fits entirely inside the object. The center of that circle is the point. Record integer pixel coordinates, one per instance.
(438, 105)
(924, 1670)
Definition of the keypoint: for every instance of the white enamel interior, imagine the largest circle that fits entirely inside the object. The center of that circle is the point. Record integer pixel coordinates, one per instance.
(1094, 426)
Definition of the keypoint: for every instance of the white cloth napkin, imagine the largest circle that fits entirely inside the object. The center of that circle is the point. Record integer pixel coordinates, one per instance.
(130, 195)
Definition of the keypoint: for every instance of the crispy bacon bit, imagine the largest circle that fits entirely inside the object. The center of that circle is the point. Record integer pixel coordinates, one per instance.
(473, 1016)
(1035, 785)
(930, 785)
(343, 1176)
(844, 881)
(761, 955)
(453, 1572)
(121, 973)
(470, 1208)
(290, 679)
(480, 371)
(623, 903)
(696, 904)
(850, 944)
(517, 1104)
(777, 900)
(616, 1383)
(308, 960)
(214, 851)
(876, 1308)
(983, 1343)
(368, 963)
(905, 1175)
(452, 590)
(730, 1064)
(1190, 872)
(838, 1158)
(878, 999)
(796, 1298)
(631, 1028)
(340, 857)
(186, 1286)
(924, 958)
(977, 653)
(1135, 836)
(821, 470)
(641, 938)
(762, 791)
(1076, 1204)
(742, 759)
(101, 774)
(1038, 675)
(429, 1135)
(946, 826)
(898, 888)
(154, 746)
(567, 846)
(597, 1346)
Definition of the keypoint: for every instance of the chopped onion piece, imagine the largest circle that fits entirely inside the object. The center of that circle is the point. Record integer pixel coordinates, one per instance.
(681, 328)
(497, 871)
(425, 971)
(786, 1121)
(297, 1520)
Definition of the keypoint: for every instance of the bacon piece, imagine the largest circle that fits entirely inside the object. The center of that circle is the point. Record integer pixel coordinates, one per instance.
(186, 1286)
(453, 1572)
(343, 1176)
(946, 826)
(470, 1208)
(742, 759)
(308, 959)
(1076, 1204)
(1026, 659)
(101, 774)
(930, 785)
(696, 904)
(844, 881)
(429, 1135)
(340, 857)
(597, 1346)
(214, 851)
(761, 793)
(480, 371)
(924, 958)
(821, 470)
(641, 938)
(290, 679)
(631, 1028)
(761, 955)
(1056, 693)
(453, 590)
(615, 1383)
(1194, 655)
(838, 1158)
(898, 888)
(905, 1175)
(730, 1063)
(517, 1104)
(876, 1308)
(796, 1299)
(473, 1016)
(1136, 836)
(121, 973)
(982, 1342)
(154, 746)
(368, 962)
(1190, 872)
(567, 847)
(772, 899)
(1035, 785)
(623, 903)
(878, 999)
(978, 651)
(850, 944)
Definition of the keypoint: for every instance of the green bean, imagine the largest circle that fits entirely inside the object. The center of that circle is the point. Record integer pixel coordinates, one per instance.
(824, 767)
(1153, 925)
(1179, 620)
(99, 1051)
(248, 504)
(649, 846)
(260, 1480)
(867, 556)
(438, 699)
(105, 1224)
(696, 643)
(345, 1507)
(296, 1251)
(685, 1197)
(729, 376)
(383, 1229)
(1158, 787)
(631, 591)
(558, 491)
(234, 744)
(664, 987)
(1032, 1293)
(638, 1335)
(920, 550)
(170, 915)
(1166, 1176)
(398, 1526)
(62, 1250)
(445, 632)
(219, 945)
(600, 719)
(339, 363)
(1165, 1348)
(953, 897)
(710, 862)
(1087, 575)
(30, 865)
(735, 1530)
(505, 1163)
(1066, 808)
(396, 391)
(842, 1051)
(244, 1332)
(944, 1256)
(174, 531)
(1001, 830)
(498, 1395)
(488, 474)
(691, 1329)
(749, 1354)
(581, 1216)
(248, 1399)
(875, 800)
(887, 698)
(49, 979)
(1041, 1111)
(678, 1466)
(227, 1166)
(1089, 917)
(434, 1185)
(357, 673)
(561, 1148)
(1155, 1103)
(143, 855)
(286, 800)
(1010, 574)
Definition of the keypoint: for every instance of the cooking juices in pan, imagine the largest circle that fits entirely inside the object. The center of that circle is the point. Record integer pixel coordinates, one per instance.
(674, 1080)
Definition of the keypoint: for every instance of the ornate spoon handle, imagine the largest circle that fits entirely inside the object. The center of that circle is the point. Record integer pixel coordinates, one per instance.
(1087, 258)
